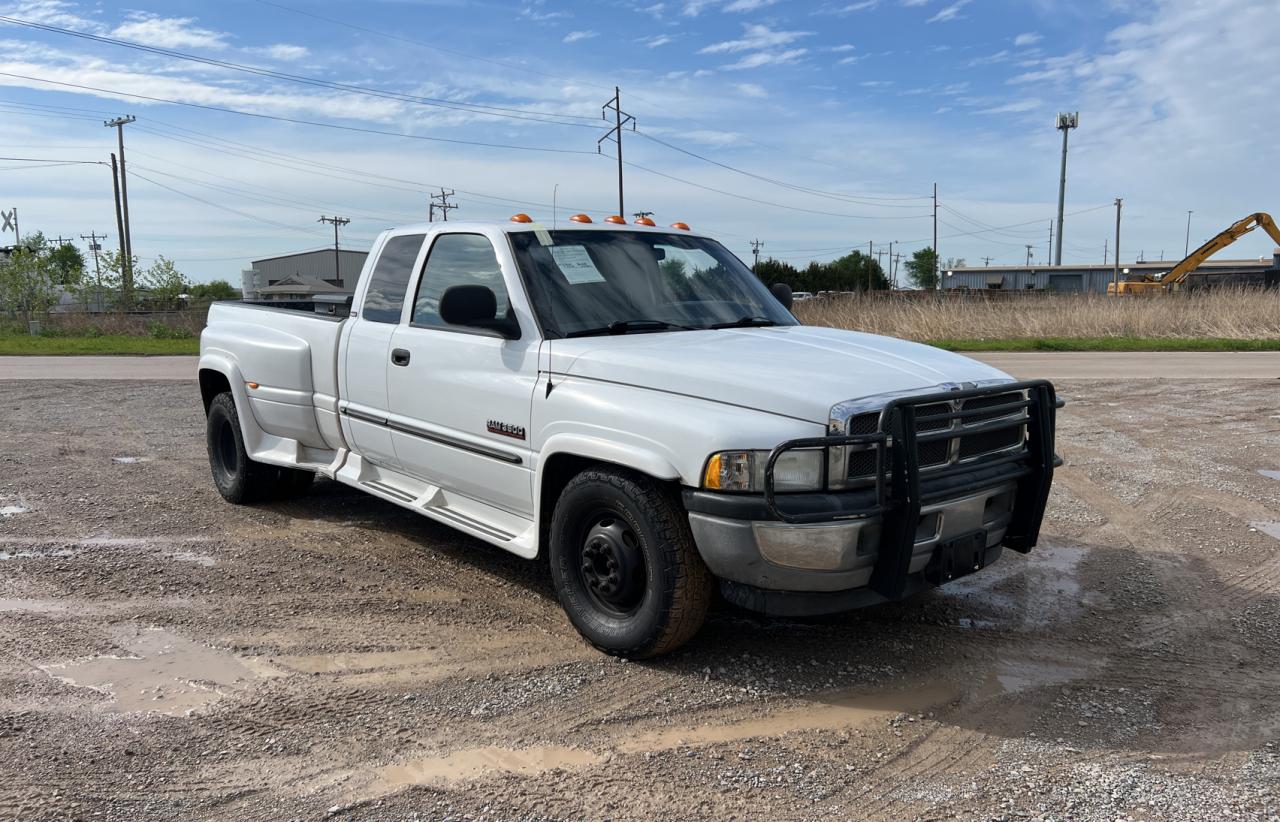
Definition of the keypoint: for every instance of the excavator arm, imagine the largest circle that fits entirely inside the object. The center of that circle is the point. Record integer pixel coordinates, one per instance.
(1232, 233)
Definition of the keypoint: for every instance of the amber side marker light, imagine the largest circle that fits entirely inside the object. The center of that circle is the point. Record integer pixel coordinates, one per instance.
(681, 226)
(645, 221)
(521, 218)
(579, 218)
(252, 384)
(711, 476)
(615, 219)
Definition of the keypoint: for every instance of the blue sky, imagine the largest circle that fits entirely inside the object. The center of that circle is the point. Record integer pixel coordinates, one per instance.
(818, 127)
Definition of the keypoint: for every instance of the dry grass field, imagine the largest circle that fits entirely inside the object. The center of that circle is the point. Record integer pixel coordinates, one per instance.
(1224, 315)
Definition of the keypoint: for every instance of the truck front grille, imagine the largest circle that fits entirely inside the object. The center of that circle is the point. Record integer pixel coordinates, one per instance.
(940, 453)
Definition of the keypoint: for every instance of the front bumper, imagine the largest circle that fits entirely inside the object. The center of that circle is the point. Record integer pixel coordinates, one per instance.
(820, 553)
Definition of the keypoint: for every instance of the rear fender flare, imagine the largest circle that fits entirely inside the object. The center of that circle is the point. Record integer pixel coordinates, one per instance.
(227, 367)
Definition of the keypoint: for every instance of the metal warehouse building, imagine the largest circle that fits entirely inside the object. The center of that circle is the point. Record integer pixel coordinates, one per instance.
(1262, 271)
(295, 277)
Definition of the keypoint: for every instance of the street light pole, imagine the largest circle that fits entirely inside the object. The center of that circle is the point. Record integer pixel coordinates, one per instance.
(1186, 249)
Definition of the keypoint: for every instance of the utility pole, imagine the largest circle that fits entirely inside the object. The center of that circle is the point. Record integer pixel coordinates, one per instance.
(897, 258)
(620, 118)
(986, 262)
(1115, 272)
(1066, 122)
(126, 263)
(871, 252)
(1029, 247)
(95, 247)
(1104, 249)
(1050, 254)
(880, 254)
(755, 249)
(937, 261)
(336, 221)
(444, 205)
(1186, 248)
(126, 235)
(889, 276)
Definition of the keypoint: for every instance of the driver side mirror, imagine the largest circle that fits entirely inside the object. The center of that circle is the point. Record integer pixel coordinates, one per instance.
(782, 292)
(476, 306)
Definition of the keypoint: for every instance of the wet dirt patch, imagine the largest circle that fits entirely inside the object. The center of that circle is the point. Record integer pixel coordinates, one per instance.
(341, 663)
(129, 460)
(826, 712)
(1016, 673)
(474, 763)
(58, 553)
(12, 506)
(1266, 472)
(161, 673)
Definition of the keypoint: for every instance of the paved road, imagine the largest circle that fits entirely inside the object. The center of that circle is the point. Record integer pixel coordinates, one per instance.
(1053, 366)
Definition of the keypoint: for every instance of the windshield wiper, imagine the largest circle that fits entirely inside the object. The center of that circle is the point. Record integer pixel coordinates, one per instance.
(627, 326)
(744, 322)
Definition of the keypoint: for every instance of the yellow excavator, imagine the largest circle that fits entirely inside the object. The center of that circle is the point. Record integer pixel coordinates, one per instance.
(1172, 281)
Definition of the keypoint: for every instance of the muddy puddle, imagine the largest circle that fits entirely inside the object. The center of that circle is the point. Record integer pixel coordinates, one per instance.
(1271, 529)
(160, 672)
(1050, 593)
(473, 763)
(1015, 674)
(1266, 472)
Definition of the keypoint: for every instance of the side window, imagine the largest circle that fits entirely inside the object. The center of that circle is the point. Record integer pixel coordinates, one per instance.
(390, 279)
(457, 259)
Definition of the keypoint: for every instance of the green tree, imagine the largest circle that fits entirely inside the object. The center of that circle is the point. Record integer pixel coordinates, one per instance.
(216, 290)
(68, 264)
(163, 280)
(922, 269)
(28, 280)
(772, 271)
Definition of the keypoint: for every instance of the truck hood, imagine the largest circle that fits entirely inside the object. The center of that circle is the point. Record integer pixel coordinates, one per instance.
(793, 371)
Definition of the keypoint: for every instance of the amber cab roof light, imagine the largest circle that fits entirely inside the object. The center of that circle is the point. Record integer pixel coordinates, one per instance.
(521, 218)
(644, 221)
(681, 226)
(580, 218)
(615, 219)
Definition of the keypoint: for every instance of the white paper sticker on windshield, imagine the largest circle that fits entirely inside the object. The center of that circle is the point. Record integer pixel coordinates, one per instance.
(576, 265)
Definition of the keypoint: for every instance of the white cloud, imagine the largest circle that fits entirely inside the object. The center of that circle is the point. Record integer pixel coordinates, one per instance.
(575, 36)
(747, 5)
(948, 13)
(910, 3)
(169, 32)
(1015, 107)
(1029, 38)
(767, 58)
(656, 40)
(752, 90)
(1000, 56)
(656, 9)
(754, 37)
(285, 51)
(53, 13)
(694, 7)
(840, 49)
(848, 61)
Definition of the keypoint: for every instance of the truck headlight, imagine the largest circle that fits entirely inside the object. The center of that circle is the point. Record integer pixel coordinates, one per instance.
(798, 470)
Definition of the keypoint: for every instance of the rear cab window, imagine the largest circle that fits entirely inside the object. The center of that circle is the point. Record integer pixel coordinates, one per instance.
(384, 298)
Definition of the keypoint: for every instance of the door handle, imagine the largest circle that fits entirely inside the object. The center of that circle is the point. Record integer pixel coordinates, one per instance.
(400, 356)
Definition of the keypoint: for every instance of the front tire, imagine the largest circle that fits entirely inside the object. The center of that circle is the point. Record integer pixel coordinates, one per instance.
(239, 479)
(625, 566)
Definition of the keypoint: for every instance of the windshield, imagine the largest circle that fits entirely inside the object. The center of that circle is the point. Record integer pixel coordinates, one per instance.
(617, 282)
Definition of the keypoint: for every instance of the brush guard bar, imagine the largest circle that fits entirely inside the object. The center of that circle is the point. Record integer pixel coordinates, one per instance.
(899, 496)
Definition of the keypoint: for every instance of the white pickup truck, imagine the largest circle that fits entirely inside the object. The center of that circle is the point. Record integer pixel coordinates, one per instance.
(632, 404)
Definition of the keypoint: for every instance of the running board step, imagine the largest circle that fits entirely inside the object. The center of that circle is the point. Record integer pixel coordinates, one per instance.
(389, 490)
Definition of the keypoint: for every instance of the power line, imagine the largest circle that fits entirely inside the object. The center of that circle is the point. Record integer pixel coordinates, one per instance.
(295, 121)
(852, 198)
(212, 204)
(472, 108)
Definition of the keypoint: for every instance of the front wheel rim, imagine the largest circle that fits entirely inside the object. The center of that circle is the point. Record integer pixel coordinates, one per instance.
(609, 564)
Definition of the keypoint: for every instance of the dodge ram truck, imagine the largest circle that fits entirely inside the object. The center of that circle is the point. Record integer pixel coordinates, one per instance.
(633, 405)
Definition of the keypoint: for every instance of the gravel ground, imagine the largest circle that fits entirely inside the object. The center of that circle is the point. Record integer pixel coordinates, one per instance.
(166, 655)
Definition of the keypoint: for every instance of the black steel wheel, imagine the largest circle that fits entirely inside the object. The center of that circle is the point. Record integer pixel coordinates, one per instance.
(625, 565)
(238, 479)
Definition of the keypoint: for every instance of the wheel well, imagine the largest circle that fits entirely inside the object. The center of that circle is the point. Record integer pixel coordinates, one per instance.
(212, 383)
(556, 473)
